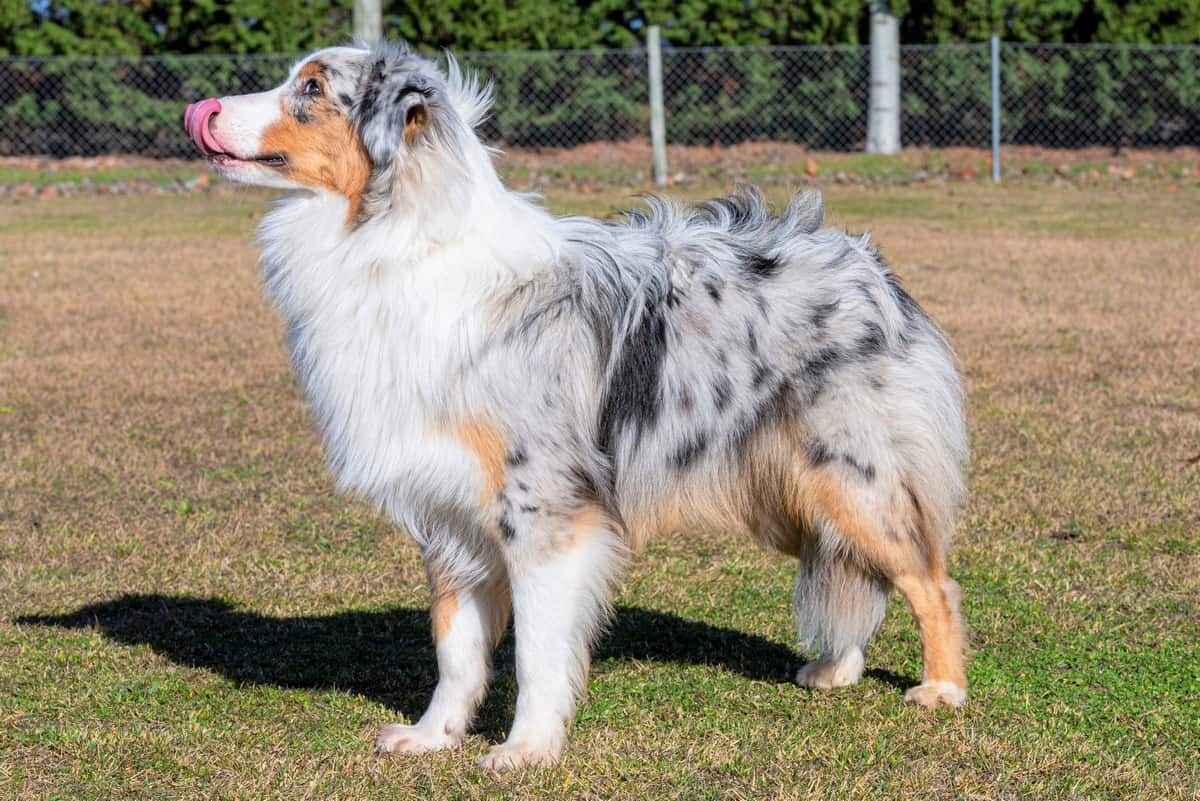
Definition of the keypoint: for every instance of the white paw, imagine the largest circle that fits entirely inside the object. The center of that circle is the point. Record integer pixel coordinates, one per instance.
(826, 673)
(397, 738)
(933, 694)
(511, 755)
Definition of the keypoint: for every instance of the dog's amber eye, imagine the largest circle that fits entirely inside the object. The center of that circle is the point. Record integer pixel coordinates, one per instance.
(312, 88)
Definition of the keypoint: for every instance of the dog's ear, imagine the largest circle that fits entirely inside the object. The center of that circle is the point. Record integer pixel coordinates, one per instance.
(395, 103)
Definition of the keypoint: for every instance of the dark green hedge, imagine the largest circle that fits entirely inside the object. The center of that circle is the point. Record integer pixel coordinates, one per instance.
(86, 106)
(1053, 96)
(1110, 95)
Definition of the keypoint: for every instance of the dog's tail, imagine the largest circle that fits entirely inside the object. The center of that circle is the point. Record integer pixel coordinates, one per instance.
(838, 603)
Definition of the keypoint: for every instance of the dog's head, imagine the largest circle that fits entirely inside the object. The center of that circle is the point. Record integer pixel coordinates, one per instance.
(347, 120)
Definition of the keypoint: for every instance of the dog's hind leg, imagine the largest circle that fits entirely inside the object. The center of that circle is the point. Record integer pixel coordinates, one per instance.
(838, 607)
(934, 600)
(888, 530)
(561, 599)
(468, 621)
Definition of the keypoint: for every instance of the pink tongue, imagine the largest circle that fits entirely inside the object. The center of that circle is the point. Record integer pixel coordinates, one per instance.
(195, 122)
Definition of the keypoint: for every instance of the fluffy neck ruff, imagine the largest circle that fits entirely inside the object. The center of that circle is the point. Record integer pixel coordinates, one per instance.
(382, 316)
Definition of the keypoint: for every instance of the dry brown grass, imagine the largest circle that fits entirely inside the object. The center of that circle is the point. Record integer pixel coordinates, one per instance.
(234, 630)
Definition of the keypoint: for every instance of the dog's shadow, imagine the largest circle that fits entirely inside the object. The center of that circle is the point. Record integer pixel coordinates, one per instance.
(388, 656)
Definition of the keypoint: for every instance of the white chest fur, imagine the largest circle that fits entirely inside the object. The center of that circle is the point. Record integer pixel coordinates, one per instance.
(378, 339)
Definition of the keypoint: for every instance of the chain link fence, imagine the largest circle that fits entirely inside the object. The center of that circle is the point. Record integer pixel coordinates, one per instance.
(563, 99)
(90, 106)
(1055, 96)
(1069, 96)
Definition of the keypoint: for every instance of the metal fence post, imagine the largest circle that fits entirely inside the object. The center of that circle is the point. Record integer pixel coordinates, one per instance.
(368, 21)
(995, 108)
(658, 122)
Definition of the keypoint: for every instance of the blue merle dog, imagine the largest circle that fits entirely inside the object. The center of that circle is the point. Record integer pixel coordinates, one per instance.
(531, 398)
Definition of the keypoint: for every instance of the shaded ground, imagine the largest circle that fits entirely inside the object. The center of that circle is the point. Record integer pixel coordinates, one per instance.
(186, 611)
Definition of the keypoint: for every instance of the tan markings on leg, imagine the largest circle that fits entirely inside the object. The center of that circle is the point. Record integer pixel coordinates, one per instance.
(821, 495)
(934, 598)
(323, 151)
(500, 606)
(489, 448)
(921, 577)
(443, 603)
(934, 603)
(922, 528)
(442, 609)
(584, 524)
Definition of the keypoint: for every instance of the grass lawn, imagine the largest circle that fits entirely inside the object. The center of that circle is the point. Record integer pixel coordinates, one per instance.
(187, 611)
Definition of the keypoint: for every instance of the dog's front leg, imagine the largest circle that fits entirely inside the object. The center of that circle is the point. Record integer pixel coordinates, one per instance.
(468, 621)
(561, 599)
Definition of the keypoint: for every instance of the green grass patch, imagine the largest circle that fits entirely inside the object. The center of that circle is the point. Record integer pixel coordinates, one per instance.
(41, 176)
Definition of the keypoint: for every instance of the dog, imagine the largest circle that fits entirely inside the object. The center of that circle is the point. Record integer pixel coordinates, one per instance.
(533, 397)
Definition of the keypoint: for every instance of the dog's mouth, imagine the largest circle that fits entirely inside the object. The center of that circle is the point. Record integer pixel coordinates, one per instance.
(275, 161)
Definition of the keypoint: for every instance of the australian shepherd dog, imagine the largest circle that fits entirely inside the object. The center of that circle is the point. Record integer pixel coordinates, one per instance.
(532, 397)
